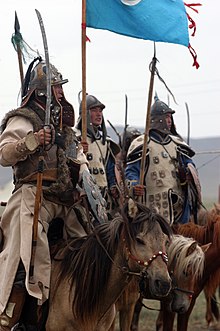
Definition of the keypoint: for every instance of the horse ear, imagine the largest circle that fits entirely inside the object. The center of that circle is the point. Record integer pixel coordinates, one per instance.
(132, 208)
(191, 248)
(206, 247)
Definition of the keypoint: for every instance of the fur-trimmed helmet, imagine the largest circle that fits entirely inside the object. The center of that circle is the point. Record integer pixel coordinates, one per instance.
(158, 113)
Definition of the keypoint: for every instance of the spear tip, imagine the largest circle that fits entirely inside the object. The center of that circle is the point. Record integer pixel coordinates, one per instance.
(16, 25)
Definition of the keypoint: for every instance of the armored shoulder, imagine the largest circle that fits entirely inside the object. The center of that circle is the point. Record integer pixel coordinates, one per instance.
(183, 147)
(135, 150)
(114, 147)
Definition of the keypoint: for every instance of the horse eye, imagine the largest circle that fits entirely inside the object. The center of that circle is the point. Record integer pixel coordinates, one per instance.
(140, 241)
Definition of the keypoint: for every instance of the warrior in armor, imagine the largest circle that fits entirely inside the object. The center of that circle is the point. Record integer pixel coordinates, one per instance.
(171, 184)
(128, 135)
(24, 141)
(100, 151)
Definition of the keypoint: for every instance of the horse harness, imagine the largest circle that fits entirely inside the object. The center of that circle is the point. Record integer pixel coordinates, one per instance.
(176, 288)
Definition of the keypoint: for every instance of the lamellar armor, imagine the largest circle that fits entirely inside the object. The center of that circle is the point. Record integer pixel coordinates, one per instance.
(165, 174)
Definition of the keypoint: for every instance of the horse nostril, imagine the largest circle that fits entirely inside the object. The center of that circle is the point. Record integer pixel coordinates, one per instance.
(181, 310)
(163, 287)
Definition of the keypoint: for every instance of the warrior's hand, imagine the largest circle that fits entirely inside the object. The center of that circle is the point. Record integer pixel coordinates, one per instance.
(85, 146)
(139, 190)
(114, 192)
(45, 136)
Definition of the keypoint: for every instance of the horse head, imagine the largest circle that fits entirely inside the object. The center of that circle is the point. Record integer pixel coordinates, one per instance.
(144, 237)
(186, 265)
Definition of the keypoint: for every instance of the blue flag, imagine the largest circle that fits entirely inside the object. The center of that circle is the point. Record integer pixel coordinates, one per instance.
(156, 20)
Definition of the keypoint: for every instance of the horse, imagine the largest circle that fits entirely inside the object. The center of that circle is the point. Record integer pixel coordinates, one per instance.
(90, 273)
(212, 311)
(185, 265)
(209, 233)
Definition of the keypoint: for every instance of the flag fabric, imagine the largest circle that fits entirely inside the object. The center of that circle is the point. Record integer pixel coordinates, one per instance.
(156, 20)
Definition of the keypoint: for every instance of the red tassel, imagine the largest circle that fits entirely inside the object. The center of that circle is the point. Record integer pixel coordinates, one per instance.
(191, 5)
(84, 27)
(194, 55)
(192, 25)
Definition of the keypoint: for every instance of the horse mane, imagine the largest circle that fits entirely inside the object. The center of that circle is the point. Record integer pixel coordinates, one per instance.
(204, 234)
(86, 262)
(178, 254)
(210, 232)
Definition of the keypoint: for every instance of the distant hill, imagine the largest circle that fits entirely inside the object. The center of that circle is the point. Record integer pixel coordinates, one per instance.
(208, 166)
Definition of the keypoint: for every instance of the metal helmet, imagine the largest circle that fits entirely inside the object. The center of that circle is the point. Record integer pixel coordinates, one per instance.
(128, 136)
(36, 79)
(91, 102)
(35, 88)
(158, 115)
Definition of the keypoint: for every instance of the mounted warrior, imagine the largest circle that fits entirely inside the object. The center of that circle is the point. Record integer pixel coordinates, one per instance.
(171, 184)
(101, 152)
(24, 140)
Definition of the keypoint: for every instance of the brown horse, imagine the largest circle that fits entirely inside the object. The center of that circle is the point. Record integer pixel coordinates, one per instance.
(186, 268)
(186, 263)
(90, 273)
(209, 233)
(212, 311)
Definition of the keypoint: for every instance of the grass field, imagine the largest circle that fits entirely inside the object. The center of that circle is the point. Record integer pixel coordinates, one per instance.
(197, 319)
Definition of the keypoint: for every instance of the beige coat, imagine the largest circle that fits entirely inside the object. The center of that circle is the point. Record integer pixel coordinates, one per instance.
(17, 222)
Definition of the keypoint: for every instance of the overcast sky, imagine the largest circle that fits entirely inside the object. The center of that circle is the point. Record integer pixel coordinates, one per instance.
(118, 65)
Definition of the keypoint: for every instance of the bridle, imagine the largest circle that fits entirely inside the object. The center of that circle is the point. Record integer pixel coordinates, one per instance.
(177, 288)
(143, 275)
(142, 262)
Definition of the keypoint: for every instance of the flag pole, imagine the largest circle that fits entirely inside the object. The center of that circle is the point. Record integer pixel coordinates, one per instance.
(84, 110)
(147, 125)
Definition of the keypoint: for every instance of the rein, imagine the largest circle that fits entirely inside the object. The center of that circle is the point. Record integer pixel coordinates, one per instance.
(175, 288)
(179, 289)
(126, 270)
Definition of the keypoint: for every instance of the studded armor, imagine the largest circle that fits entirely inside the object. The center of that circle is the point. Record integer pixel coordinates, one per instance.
(164, 189)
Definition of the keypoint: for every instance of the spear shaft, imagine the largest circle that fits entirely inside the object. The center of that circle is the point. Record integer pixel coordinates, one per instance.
(147, 125)
(188, 122)
(84, 108)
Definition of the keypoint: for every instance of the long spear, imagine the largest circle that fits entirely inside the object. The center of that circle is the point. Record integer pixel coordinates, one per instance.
(147, 125)
(17, 42)
(125, 126)
(83, 36)
(188, 122)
